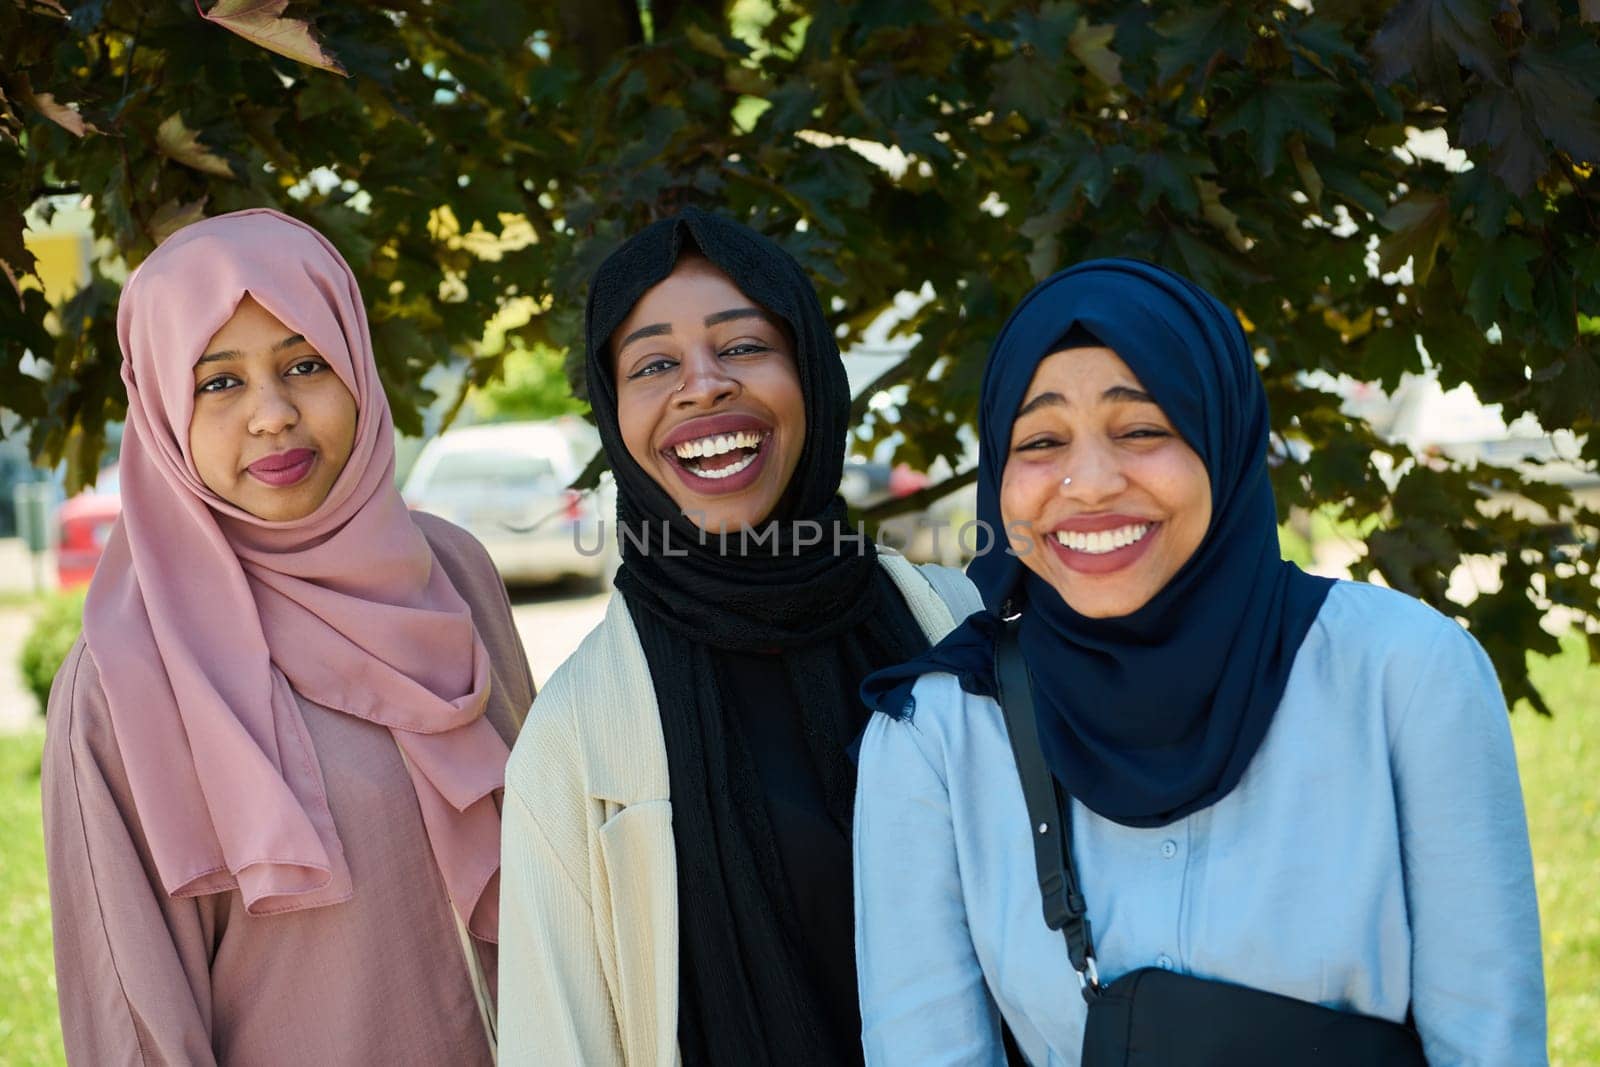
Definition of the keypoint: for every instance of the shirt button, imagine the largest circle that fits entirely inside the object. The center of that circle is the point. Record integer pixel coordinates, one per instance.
(1164, 961)
(1169, 849)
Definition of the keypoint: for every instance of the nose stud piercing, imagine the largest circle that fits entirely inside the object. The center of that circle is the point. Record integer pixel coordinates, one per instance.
(1065, 482)
(679, 389)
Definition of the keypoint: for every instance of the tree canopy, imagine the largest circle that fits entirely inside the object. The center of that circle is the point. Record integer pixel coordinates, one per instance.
(475, 160)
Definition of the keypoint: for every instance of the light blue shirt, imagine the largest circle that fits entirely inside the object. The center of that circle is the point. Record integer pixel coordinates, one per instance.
(1373, 858)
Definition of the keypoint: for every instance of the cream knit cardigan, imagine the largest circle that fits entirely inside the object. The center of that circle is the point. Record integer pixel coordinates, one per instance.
(588, 891)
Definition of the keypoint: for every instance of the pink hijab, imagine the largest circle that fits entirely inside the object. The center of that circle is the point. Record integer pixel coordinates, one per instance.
(205, 621)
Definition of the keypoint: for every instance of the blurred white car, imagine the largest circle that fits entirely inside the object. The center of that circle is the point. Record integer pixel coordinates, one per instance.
(506, 483)
(1454, 426)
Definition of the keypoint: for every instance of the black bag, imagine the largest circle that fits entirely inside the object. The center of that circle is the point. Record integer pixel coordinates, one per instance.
(1153, 1017)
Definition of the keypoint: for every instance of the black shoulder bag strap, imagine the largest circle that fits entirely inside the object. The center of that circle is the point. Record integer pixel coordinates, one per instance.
(1064, 907)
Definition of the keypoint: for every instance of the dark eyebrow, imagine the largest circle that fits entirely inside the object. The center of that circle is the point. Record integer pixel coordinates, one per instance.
(662, 329)
(736, 313)
(233, 353)
(659, 329)
(1117, 394)
(1127, 394)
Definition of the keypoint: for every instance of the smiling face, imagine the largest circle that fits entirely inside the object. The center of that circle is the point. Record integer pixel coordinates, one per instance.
(708, 397)
(1139, 500)
(273, 426)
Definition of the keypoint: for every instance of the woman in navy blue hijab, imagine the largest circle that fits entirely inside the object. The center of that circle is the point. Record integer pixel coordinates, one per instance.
(1276, 780)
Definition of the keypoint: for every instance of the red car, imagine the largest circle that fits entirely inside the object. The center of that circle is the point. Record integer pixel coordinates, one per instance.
(82, 526)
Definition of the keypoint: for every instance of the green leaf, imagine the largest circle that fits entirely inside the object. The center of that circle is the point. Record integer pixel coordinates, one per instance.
(1030, 87)
(1092, 173)
(1310, 177)
(1555, 304)
(1048, 33)
(1387, 355)
(1559, 84)
(1198, 37)
(1497, 119)
(181, 144)
(174, 216)
(15, 259)
(703, 40)
(1352, 185)
(1487, 201)
(1217, 214)
(1572, 398)
(1428, 38)
(1322, 42)
(1092, 46)
(791, 108)
(1417, 226)
(1170, 177)
(1497, 275)
(1586, 267)
(1276, 110)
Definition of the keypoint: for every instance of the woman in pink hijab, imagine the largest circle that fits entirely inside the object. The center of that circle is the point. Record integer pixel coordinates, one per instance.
(274, 760)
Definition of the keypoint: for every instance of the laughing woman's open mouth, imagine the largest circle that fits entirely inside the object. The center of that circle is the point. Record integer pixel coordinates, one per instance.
(720, 453)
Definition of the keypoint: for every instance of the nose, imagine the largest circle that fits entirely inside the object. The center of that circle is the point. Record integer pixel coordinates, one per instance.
(705, 382)
(1094, 474)
(273, 410)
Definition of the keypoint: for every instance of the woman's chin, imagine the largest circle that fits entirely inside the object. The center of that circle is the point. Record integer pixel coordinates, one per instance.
(725, 516)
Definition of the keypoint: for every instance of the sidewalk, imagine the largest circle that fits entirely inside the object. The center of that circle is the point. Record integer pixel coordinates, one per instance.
(18, 710)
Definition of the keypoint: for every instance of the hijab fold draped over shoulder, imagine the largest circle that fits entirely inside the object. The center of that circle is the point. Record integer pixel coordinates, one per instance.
(1154, 715)
(204, 620)
(830, 616)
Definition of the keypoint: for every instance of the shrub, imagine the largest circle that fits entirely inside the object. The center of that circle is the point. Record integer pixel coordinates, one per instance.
(54, 631)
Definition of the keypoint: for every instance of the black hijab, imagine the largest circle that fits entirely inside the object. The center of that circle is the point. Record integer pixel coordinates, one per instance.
(827, 609)
(1154, 715)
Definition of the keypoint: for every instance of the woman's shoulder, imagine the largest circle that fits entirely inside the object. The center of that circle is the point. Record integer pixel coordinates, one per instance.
(77, 716)
(454, 547)
(932, 591)
(1385, 619)
(593, 717)
(1374, 643)
(947, 725)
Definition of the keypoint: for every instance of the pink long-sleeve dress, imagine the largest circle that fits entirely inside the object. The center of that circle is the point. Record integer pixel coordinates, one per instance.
(145, 978)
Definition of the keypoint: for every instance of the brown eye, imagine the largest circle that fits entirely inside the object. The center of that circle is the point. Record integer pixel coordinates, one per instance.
(217, 384)
(652, 368)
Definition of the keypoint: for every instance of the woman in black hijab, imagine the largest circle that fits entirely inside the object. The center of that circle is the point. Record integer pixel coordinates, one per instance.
(677, 858)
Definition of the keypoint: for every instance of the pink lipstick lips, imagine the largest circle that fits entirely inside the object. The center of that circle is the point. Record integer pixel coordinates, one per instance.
(283, 469)
(719, 454)
(1101, 544)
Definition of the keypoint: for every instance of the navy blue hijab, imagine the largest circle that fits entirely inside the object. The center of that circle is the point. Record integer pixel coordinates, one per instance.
(1154, 715)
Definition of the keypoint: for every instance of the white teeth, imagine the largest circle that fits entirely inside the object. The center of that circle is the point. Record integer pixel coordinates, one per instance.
(1102, 541)
(718, 444)
(730, 470)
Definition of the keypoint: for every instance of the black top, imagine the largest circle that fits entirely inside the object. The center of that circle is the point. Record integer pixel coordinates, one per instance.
(814, 851)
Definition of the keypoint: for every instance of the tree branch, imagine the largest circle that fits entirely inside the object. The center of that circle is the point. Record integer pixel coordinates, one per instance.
(922, 498)
(133, 50)
(858, 407)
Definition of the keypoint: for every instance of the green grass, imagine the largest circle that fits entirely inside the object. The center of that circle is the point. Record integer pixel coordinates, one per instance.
(29, 1032)
(1559, 757)
(1560, 763)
